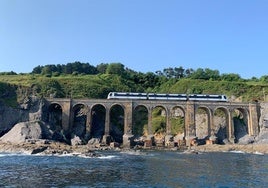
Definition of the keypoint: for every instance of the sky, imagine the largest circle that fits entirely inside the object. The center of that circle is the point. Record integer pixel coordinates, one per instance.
(145, 35)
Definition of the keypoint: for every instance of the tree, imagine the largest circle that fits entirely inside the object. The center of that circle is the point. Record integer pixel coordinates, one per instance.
(169, 72)
(198, 74)
(230, 77)
(212, 74)
(189, 72)
(264, 78)
(37, 70)
(116, 68)
(46, 70)
(179, 72)
(101, 68)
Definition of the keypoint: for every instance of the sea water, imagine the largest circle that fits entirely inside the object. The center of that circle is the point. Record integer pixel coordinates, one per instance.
(135, 169)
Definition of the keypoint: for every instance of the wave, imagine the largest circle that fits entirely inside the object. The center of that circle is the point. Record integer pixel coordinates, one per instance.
(12, 154)
(237, 151)
(258, 153)
(107, 157)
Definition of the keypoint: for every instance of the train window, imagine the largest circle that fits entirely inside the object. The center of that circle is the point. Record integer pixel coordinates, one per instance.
(120, 94)
(215, 96)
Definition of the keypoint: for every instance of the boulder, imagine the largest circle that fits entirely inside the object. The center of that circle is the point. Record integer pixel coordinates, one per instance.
(75, 141)
(24, 131)
(262, 138)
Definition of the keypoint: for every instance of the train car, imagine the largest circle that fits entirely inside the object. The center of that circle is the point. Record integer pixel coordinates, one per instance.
(162, 96)
(165, 96)
(202, 97)
(127, 95)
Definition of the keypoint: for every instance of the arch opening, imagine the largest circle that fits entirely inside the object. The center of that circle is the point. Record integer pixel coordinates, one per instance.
(178, 123)
(97, 129)
(117, 123)
(140, 124)
(55, 122)
(202, 124)
(159, 119)
(220, 125)
(79, 121)
(240, 124)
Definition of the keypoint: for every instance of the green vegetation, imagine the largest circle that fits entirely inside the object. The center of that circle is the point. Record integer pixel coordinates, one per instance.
(82, 80)
(177, 125)
(158, 121)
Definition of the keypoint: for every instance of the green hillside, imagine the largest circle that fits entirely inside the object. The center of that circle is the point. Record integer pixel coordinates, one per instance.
(80, 80)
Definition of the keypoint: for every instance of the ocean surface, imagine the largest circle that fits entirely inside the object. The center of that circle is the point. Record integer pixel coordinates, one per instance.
(135, 169)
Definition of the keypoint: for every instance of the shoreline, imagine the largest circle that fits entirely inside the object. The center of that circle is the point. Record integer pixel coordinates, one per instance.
(50, 148)
(248, 148)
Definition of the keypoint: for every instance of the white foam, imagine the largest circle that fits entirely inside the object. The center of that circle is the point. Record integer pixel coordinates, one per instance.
(107, 157)
(11, 154)
(258, 153)
(237, 151)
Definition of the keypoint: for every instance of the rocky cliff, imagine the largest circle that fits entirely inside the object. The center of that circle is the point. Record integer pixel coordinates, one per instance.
(30, 109)
(263, 124)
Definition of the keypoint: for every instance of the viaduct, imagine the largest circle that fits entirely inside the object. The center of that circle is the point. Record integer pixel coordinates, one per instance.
(67, 108)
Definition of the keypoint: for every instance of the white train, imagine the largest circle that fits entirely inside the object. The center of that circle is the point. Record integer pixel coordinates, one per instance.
(164, 96)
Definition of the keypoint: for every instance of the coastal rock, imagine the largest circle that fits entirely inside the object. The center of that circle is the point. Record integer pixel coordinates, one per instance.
(24, 131)
(39, 150)
(30, 108)
(262, 138)
(76, 141)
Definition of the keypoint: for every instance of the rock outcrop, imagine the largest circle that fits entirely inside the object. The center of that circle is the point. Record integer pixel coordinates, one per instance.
(30, 109)
(23, 131)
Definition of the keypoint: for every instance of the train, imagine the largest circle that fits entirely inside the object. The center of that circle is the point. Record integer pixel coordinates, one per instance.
(166, 96)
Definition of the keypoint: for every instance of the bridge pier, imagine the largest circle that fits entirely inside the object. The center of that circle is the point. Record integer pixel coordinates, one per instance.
(106, 139)
(253, 119)
(128, 140)
(190, 128)
(168, 140)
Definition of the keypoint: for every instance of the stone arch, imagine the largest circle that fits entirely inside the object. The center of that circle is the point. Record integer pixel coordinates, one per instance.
(220, 122)
(159, 123)
(55, 117)
(203, 123)
(240, 124)
(55, 122)
(177, 117)
(140, 121)
(97, 129)
(79, 114)
(117, 122)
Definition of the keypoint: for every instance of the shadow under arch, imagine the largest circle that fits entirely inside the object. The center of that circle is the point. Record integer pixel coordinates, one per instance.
(117, 123)
(202, 124)
(159, 124)
(55, 117)
(140, 123)
(79, 113)
(240, 123)
(98, 113)
(220, 124)
(55, 123)
(178, 122)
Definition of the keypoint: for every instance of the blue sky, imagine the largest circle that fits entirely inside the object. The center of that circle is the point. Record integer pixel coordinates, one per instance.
(144, 35)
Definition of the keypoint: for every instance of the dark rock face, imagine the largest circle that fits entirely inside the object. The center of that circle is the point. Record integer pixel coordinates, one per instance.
(24, 131)
(9, 117)
(39, 150)
(30, 110)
